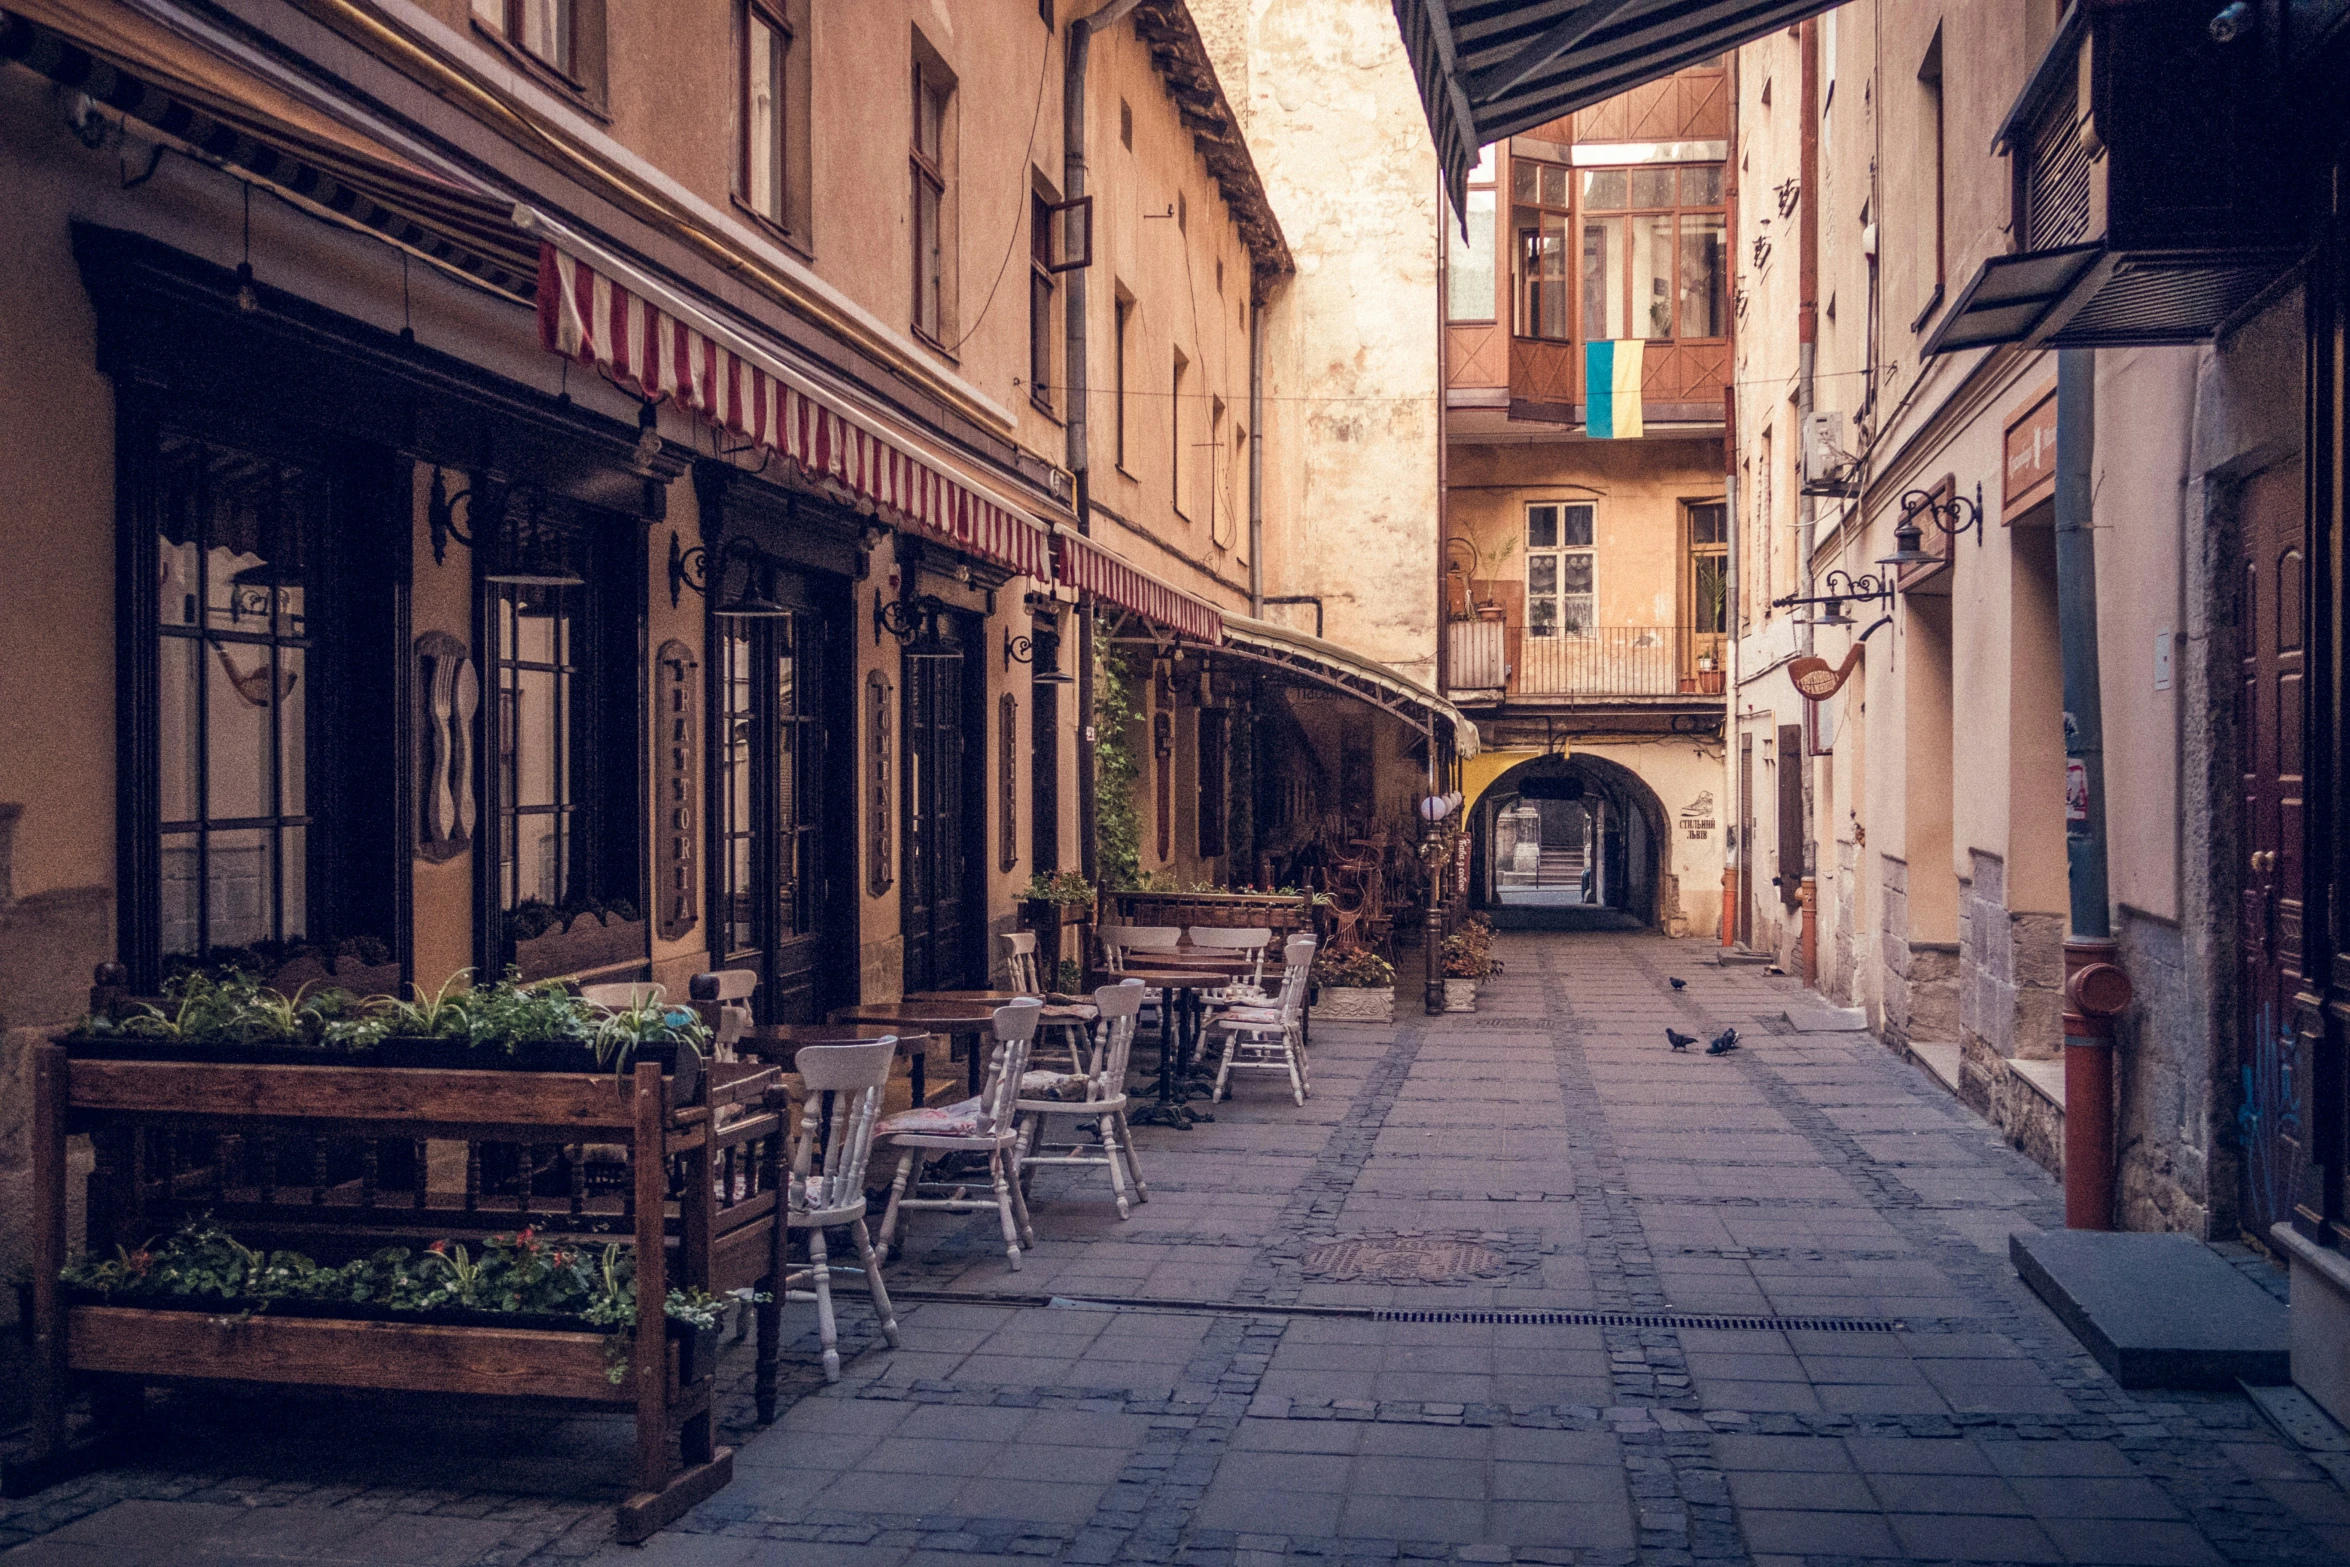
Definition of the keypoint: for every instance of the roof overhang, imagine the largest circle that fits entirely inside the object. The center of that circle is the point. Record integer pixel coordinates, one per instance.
(2095, 296)
(1327, 664)
(1487, 69)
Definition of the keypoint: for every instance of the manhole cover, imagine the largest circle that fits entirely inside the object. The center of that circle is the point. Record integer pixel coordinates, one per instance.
(1410, 1259)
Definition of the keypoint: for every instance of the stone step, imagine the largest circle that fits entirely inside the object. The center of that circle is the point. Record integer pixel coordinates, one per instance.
(2157, 1310)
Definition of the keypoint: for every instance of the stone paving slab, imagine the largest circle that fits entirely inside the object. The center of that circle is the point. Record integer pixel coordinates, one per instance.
(1659, 1219)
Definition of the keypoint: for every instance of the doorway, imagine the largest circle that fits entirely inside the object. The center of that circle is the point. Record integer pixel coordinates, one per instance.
(942, 914)
(1570, 843)
(2272, 1115)
(778, 799)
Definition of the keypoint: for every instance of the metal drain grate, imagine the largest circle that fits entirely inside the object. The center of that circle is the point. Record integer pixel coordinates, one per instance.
(1556, 1319)
(1639, 1319)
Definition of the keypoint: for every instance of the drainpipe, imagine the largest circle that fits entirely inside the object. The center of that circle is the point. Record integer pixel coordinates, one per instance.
(1080, 378)
(1256, 458)
(2096, 991)
(1807, 339)
(1734, 815)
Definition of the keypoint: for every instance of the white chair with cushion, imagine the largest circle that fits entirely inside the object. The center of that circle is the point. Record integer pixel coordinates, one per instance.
(1138, 942)
(988, 1124)
(1065, 1025)
(1096, 1094)
(1267, 1038)
(1248, 941)
(827, 1186)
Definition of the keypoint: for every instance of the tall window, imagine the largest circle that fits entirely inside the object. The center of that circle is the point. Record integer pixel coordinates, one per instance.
(1652, 253)
(1219, 502)
(537, 631)
(237, 545)
(766, 49)
(1040, 302)
(1709, 574)
(1930, 84)
(767, 884)
(1538, 225)
(1124, 308)
(931, 94)
(1175, 423)
(547, 29)
(1561, 571)
(1468, 273)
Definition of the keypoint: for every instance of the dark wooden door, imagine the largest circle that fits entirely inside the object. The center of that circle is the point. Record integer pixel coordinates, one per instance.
(944, 816)
(1746, 858)
(2270, 619)
(1790, 880)
(774, 807)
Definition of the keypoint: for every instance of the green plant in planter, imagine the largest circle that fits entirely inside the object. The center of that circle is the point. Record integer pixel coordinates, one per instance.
(1067, 889)
(235, 1009)
(623, 1031)
(1361, 969)
(510, 1013)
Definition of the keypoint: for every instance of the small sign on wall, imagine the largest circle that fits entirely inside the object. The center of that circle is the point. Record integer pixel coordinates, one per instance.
(2030, 452)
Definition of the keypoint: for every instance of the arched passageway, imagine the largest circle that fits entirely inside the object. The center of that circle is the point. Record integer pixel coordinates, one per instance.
(1569, 842)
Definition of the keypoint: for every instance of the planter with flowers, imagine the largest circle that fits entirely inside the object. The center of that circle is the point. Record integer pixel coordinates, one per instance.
(1468, 963)
(1354, 987)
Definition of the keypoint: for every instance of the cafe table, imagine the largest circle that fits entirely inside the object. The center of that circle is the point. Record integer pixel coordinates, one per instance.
(1183, 977)
(970, 1020)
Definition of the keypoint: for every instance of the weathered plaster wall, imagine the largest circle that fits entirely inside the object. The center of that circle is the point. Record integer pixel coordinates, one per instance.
(1352, 358)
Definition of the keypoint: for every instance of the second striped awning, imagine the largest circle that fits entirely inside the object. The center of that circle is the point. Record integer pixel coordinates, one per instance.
(1089, 568)
(592, 318)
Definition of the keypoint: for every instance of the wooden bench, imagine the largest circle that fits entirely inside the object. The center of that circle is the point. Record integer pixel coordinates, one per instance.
(267, 1152)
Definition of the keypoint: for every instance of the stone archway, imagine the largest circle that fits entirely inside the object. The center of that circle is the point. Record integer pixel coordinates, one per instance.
(1570, 842)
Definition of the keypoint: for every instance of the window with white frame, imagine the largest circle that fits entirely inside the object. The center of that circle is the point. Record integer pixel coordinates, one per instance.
(1562, 582)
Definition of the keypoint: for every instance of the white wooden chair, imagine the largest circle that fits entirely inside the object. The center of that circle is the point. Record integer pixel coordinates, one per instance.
(729, 990)
(987, 1124)
(1248, 941)
(1140, 941)
(1267, 1038)
(1063, 1026)
(827, 1186)
(1096, 1094)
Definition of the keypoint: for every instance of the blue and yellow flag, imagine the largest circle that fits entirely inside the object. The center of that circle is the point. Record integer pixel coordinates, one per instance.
(1611, 389)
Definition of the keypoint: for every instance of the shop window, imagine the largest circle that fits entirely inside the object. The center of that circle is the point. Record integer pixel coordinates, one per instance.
(1651, 253)
(1538, 222)
(536, 678)
(1468, 274)
(1561, 571)
(265, 637)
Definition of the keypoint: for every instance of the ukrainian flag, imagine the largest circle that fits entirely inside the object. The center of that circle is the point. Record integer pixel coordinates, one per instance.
(1611, 389)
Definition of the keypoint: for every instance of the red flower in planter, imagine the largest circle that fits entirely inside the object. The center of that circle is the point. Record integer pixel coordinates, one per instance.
(438, 1248)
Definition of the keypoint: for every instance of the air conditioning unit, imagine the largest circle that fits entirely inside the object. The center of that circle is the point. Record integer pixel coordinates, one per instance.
(2157, 183)
(1828, 469)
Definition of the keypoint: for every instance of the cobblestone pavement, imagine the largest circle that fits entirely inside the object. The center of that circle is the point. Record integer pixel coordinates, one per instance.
(1469, 1304)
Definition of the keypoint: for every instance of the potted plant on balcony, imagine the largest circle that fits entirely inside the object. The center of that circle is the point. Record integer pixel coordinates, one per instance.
(1489, 564)
(1709, 674)
(1357, 986)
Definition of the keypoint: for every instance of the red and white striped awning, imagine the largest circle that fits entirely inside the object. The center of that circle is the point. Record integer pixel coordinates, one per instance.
(587, 316)
(1089, 568)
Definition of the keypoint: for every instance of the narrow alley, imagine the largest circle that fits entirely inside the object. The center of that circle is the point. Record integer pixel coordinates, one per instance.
(1522, 1285)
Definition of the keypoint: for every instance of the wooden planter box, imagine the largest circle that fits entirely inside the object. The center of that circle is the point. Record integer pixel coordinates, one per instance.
(1060, 933)
(590, 944)
(213, 1114)
(1285, 914)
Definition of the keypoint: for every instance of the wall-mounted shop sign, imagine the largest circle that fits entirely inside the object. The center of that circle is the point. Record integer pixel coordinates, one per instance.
(1697, 817)
(2030, 456)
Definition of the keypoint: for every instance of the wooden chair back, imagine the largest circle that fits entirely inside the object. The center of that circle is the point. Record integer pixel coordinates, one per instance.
(1020, 962)
(624, 995)
(726, 993)
(1119, 940)
(846, 1085)
(1249, 941)
(1014, 1028)
(1297, 971)
(1119, 1006)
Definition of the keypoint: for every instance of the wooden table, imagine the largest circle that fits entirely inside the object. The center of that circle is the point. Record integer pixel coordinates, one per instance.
(783, 1041)
(968, 1020)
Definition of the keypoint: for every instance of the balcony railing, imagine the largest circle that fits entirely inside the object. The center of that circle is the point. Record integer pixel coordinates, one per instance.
(1600, 661)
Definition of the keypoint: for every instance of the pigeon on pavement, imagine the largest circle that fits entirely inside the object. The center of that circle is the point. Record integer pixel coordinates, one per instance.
(1676, 982)
(1677, 1039)
(1723, 1043)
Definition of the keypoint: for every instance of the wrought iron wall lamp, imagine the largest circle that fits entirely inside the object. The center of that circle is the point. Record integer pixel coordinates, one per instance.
(506, 527)
(1027, 650)
(913, 621)
(1953, 517)
(691, 568)
(1843, 588)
